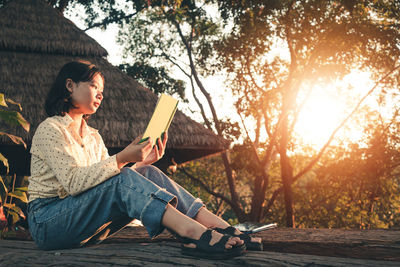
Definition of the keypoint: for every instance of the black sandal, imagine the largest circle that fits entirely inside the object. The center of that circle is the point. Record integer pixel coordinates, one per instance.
(217, 251)
(250, 245)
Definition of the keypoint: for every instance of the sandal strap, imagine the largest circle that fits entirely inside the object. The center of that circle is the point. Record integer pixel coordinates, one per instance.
(203, 243)
(205, 237)
(230, 230)
(220, 245)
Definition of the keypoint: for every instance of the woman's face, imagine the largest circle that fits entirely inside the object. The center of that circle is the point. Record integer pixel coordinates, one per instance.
(86, 96)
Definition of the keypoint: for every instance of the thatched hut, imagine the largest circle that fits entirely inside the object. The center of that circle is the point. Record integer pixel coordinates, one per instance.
(36, 41)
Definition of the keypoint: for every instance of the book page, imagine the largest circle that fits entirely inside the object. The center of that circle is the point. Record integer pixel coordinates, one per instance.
(162, 117)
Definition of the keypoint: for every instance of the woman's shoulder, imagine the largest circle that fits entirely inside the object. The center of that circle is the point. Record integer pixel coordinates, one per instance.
(50, 124)
(47, 131)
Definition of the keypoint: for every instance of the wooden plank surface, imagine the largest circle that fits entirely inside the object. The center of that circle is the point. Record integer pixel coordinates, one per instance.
(361, 244)
(131, 247)
(24, 253)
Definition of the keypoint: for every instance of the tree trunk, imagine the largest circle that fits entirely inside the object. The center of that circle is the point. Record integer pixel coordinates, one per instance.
(257, 203)
(232, 188)
(286, 175)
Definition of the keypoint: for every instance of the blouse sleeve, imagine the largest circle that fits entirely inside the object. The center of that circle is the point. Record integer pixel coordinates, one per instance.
(103, 149)
(50, 144)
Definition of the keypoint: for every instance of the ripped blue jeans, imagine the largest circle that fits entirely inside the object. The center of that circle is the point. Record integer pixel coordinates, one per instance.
(101, 211)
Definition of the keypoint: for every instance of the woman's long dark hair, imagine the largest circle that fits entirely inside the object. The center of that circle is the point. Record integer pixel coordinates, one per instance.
(58, 100)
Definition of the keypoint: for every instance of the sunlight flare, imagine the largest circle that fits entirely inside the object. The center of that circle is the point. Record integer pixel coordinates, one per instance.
(326, 107)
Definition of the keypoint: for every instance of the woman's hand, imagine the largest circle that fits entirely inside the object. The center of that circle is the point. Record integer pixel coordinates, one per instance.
(134, 152)
(156, 153)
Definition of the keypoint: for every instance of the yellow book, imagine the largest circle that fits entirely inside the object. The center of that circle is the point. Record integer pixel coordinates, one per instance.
(161, 118)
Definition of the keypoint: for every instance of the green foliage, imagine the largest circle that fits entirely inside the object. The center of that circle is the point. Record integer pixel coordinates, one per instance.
(12, 117)
(277, 52)
(13, 201)
(12, 198)
(355, 187)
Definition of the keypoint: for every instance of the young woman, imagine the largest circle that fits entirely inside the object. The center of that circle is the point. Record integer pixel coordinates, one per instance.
(78, 194)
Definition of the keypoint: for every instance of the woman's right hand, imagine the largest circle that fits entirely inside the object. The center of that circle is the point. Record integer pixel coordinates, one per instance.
(134, 152)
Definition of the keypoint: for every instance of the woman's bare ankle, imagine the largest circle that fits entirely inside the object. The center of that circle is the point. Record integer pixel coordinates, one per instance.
(196, 232)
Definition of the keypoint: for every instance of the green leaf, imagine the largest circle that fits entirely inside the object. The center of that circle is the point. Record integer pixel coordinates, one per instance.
(3, 101)
(15, 216)
(23, 189)
(13, 207)
(14, 103)
(5, 163)
(16, 139)
(14, 118)
(20, 195)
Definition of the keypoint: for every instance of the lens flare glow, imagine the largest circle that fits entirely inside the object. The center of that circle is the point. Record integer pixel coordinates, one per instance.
(326, 107)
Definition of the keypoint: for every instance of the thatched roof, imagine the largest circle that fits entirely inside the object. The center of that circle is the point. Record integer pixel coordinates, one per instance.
(36, 41)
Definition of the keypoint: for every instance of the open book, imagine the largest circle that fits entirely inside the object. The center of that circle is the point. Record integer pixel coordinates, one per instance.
(161, 118)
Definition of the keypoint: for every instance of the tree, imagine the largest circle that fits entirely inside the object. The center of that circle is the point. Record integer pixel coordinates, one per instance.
(324, 40)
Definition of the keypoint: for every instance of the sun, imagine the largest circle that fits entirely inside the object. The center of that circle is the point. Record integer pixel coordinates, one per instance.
(327, 106)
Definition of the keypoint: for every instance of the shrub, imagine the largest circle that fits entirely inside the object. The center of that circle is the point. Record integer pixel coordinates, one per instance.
(12, 198)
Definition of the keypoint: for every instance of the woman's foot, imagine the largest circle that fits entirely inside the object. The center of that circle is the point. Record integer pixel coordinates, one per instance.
(210, 220)
(252, 243)
(198, 241)
(215, 238)
(212, 245)
(253, 239)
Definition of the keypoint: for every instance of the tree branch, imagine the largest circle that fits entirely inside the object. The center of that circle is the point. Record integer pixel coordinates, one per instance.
(195, 75)
(109, 20)
(203, 114)
(272, 199)
(236, 205)
(205, 187)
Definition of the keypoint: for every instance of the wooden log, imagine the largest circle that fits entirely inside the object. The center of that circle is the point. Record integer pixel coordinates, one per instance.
(361, 244)
(131, 246)
(24, 253)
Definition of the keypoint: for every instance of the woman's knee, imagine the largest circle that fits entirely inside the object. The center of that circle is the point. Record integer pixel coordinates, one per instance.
(154, 174)
(148, 170)
(135, 180)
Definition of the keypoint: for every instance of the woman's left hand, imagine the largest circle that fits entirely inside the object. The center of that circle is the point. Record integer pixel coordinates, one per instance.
(156, 153)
